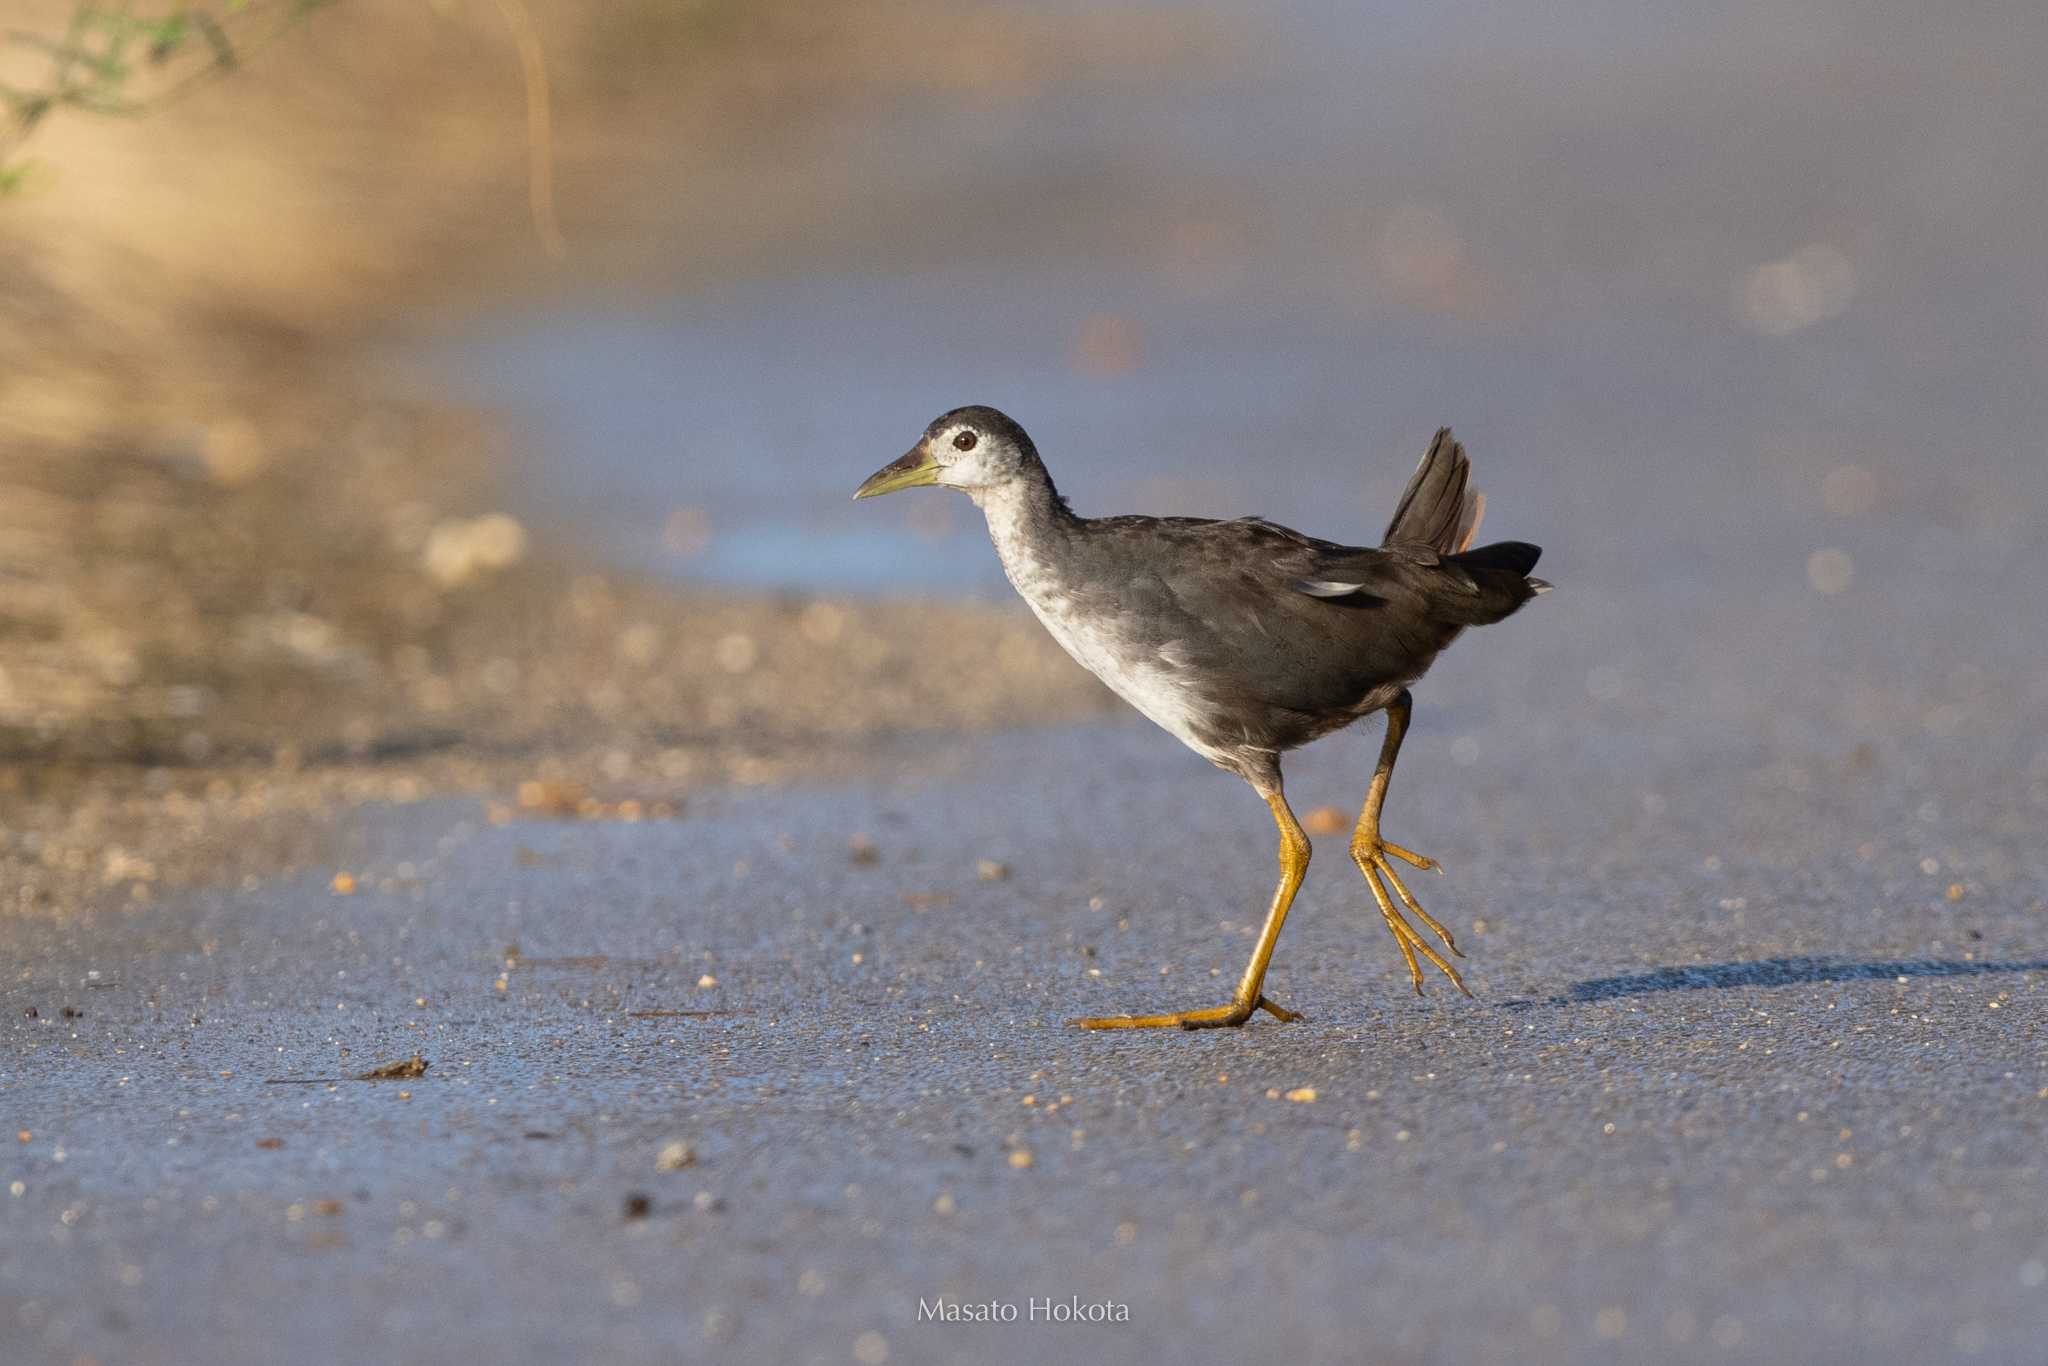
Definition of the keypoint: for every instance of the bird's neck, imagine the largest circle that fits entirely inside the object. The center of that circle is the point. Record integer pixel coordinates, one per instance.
(1026, 517)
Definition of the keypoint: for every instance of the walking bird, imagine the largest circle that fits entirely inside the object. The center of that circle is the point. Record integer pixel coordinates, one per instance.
(1245, 639)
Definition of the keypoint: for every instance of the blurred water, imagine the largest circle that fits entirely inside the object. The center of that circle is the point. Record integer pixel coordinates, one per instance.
(766, 405)
(1705, 292)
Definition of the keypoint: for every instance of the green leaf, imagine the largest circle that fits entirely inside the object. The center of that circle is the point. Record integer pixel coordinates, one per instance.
(20, 177)
(104, 65)
(27, 107)
(167, 36)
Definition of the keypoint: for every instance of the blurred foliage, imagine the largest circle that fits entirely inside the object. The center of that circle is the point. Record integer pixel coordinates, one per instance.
(225, 532)
(112, 60)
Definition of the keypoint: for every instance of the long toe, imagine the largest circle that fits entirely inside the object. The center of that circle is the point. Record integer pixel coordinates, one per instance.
(1215, 1017)
(1378, 869)
(1414, 907)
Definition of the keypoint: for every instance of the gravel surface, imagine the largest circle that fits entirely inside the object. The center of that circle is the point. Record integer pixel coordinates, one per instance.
(1754, 1070)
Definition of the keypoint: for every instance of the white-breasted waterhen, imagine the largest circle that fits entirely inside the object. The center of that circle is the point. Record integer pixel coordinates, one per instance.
(1244, 639)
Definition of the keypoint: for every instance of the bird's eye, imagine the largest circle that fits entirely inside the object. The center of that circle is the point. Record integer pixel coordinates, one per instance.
(965, 441)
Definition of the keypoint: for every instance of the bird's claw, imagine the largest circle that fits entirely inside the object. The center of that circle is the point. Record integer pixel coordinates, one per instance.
(1371, 856)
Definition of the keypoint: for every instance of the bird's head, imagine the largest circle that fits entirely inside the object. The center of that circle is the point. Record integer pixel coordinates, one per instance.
(973, 449)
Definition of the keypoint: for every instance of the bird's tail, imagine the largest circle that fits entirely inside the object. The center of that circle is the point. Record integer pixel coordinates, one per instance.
(1439, 508)
(1493, 582)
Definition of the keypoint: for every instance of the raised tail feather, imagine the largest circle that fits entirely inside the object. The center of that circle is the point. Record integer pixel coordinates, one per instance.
(1439, 508)
(1428, 551)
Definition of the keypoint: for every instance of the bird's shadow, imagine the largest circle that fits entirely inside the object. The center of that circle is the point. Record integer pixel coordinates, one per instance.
(1777, 972)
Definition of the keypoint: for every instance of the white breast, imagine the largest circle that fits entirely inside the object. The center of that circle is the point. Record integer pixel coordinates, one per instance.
(1154, 680)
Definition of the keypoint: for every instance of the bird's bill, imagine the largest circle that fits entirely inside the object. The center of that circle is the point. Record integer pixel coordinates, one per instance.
(914, 469)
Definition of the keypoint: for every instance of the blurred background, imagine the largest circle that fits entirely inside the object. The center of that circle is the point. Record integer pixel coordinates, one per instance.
(483, 382)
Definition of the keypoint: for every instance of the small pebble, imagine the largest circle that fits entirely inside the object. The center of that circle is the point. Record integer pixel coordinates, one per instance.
(674, 1157)
(1327, 820)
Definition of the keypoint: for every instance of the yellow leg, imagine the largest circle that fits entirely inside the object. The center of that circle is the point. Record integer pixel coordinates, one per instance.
(1294, 853)
(1374, 856)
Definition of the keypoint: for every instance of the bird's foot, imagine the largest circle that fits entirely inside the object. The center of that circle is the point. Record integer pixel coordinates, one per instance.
(1374, 857)
(1216, 1017)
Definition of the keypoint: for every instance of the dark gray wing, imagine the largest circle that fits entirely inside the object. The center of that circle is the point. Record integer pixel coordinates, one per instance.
(1223, 603)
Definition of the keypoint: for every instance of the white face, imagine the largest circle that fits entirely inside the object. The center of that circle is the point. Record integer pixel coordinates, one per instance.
(968, 458)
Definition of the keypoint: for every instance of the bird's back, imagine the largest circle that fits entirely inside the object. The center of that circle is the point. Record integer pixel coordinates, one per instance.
(1252, 634)
(1214, 607)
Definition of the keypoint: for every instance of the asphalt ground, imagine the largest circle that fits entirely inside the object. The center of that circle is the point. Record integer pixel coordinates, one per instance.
(1754, 1067)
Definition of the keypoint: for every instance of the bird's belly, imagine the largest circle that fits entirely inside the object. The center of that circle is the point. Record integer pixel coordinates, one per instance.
(1162, 693)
